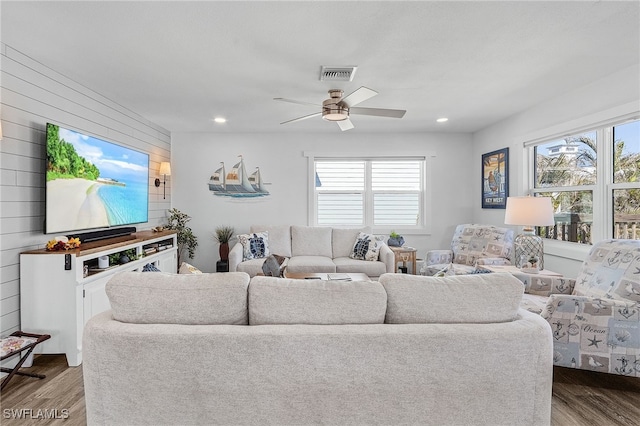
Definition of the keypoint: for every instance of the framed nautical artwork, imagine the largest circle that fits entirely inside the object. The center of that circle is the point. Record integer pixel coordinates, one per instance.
(495, 179)
(237, 183)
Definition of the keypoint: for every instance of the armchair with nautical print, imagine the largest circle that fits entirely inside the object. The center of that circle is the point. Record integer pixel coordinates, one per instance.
(597, 327)
(538, 288)
(472, 244)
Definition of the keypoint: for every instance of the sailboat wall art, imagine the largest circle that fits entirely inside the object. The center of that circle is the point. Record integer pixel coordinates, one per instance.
(237, 182)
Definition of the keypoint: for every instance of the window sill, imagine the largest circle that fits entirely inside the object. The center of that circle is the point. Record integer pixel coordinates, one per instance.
(567, 250)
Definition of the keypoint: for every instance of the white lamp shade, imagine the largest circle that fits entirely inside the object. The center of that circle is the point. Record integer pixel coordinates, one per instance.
(529, 211)
(165, 168)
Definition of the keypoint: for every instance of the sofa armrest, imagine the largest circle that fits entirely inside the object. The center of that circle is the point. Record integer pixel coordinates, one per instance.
(437, 257)
(582, 307)
(493, 261)
(235, 257)
(594, 334)
(544, 285)
(387, 257)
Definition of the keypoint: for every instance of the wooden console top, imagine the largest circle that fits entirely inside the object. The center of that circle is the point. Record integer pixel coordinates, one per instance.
(108, 243)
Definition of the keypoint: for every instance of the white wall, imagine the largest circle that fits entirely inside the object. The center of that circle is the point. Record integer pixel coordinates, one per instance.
(605, 99)
(31, 96)
(280, 158)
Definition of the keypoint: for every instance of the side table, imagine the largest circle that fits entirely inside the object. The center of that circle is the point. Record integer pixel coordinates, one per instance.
(222, 266)
(404, 255)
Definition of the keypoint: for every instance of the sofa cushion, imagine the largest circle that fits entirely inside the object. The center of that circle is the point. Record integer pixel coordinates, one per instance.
(447, 269)
(163, 298)
(254, 245)
(534, 303)
(279, 238)
(286, 301)
(611, 271)
(311, 241)
(372, 269)
(300, 264)
(482, 298)
(365, 247)
(342, 240)
(252, 267)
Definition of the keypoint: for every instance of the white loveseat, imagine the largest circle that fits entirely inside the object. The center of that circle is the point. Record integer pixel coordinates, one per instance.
(313, 249)
(220, 349)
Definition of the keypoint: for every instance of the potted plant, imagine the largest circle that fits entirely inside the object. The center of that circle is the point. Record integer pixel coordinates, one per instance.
(186, 239)
(395, 240)
(223, 235)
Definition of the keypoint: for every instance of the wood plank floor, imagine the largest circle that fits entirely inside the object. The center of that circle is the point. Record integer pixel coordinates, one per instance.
(580, 398)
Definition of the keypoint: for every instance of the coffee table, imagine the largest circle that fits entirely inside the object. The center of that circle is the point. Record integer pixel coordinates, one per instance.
(339, 276)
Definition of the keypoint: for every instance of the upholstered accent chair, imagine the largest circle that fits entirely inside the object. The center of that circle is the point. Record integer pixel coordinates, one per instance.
(595, 319)
(471, 245)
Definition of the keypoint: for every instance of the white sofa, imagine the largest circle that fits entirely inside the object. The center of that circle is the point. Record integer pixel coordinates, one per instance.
(313, 249)
(211, 349)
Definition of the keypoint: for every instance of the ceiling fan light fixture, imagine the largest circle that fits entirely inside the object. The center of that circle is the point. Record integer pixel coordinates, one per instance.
(333, 111)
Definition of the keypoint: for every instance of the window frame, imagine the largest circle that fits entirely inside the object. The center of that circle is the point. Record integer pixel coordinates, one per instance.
(424, 222)
(602, 191)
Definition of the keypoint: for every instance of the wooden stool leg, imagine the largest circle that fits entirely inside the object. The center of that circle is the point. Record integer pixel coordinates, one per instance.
(13, 371)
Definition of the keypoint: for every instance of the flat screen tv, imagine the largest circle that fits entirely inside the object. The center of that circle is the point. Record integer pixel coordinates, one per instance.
(92, 183)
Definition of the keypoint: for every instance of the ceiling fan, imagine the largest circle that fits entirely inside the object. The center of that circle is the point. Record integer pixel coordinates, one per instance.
(338, 109)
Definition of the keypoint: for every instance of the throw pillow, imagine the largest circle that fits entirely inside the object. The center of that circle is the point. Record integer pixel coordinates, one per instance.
(150, 267)
(366, 247)
(186, 268)
(273, 266)
(254, 246)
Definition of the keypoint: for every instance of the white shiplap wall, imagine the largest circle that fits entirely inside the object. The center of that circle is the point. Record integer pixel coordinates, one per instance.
(32, 95)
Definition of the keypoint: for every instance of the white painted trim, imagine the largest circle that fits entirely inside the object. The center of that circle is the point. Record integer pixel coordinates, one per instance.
(628, 111)
(573, 251)
(425, 226)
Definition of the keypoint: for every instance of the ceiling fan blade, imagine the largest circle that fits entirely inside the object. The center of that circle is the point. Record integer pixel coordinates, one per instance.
(302, 118)
(379, 112)
(360, 95)
(296, 102)
(345, 125)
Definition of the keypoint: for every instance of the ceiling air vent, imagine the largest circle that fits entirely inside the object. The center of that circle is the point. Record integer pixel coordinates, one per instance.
(337, 73)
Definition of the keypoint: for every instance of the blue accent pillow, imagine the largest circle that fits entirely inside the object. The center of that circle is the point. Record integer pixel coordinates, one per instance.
(150, 267)
(255, 246)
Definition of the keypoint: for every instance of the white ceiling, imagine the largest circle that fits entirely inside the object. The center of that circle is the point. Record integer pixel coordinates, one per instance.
(179, 64)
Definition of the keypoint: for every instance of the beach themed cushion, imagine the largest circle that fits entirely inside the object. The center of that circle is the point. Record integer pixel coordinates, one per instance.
(186, 268)
(366, 247)
(255, 245)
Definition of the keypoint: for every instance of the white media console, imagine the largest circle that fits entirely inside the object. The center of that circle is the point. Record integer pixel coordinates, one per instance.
(61, 290)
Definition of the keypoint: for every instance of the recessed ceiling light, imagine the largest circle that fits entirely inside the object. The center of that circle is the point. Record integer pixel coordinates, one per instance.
(220, 120)
(442, 120)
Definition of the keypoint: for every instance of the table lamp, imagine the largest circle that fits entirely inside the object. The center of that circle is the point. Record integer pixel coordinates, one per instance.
(529, 212)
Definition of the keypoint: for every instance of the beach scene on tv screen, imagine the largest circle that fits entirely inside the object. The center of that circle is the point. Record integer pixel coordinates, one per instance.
(92, 183)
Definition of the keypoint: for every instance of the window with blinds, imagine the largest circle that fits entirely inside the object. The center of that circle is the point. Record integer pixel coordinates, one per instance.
(369, 192)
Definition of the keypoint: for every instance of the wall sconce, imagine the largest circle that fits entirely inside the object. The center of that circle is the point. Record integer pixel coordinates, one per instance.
(165, 169)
